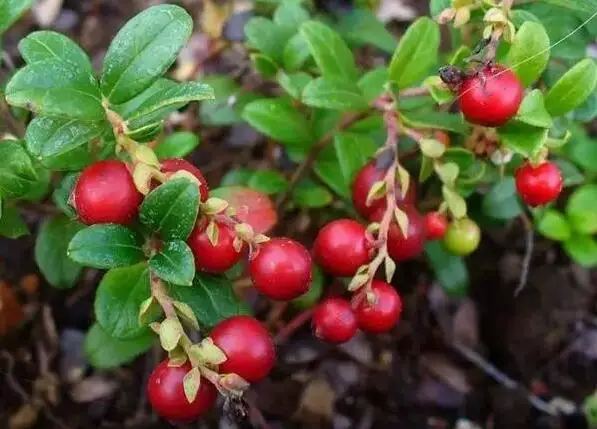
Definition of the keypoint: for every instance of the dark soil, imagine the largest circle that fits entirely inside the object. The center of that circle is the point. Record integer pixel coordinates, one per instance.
(425, 374)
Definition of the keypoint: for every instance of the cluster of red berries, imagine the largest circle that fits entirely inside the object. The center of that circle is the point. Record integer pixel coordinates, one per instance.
(250, 353)
(491, 97)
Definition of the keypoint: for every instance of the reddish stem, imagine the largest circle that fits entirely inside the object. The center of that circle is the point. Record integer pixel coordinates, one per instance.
(291, 327)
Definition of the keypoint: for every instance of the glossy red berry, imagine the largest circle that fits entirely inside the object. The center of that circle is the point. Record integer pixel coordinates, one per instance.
(365, 178)
(383, 313)
(209, 258)
(334, 321)
(166, 395)
(247, 345)
(106, 193)
(436, 225)
(173, 165)
(281, 269)
(539, 185)
(400, 247)
(341, 247)
(491, 97)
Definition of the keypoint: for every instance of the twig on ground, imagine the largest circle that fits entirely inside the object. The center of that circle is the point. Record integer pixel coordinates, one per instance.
(528, 253)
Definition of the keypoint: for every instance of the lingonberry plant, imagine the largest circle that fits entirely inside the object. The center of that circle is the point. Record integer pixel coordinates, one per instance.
(407, 160)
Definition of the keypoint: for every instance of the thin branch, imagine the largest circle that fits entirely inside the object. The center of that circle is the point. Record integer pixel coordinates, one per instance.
(489, 369)
(312, 157)
(291, 327)
(10, 380)
(528, 253)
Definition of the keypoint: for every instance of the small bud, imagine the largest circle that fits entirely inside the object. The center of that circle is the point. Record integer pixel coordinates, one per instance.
(502, 156)
(146, 155)
(233, 384)
(403, 179)
(390, 266)
(245, 232)
(402, 221)
(142, 175)
(170, 334)
(463, 15)
(432, 148)
(357, 282)
(495, 16)
(212, 232)
(191, 383)
(207, 352)
(186, 313)
(377, 191)
(214, 206)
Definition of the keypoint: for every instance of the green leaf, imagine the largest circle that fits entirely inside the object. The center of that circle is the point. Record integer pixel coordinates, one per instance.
(529, 53)
(437, 90)
(105, 352)
(581, 209)
(501, 202)
(450, 270)
(174, 263)
(361, 27)
(572, 175)
(332, 55)
(157, 106)
(238, 176)
(11, 223)
(585, 6)
(143, 50)
(296, 53)
(211, 298)
(48, 45)
(553, 225)
(522, 138)
(532, 110)
(460, 156)
(118, 299)
(177, 145)
(338, 164)
(290, 15)
(308, 194)
(372, 83)
(277, 119)
(428, 119)
(416, 53)
(294, 83)
(573, 88)
(171, 209)
(582, 249)
(106, 246)
(267, 37)
(268, 181)
(519, 17)
(582, 149)
(11, 10)
(62, 143)
(17, 175)
(335, 94)
(264, 65)
(62, 193)
(54, 87)
(50, 251)
(587, 111)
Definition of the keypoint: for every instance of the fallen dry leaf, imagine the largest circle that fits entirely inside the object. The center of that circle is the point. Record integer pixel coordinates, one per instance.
(93, 388)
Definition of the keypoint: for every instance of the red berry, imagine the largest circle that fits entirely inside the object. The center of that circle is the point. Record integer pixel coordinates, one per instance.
(247, 345)
(166, 394)
(365, 178)
(539, 185)
(209, 258)
(436, 225)
(491, 97)
(383, 314)
(334, 321)
(281, 269)
(403, 248)
(106, 193)
(341, 247)
(177, 164)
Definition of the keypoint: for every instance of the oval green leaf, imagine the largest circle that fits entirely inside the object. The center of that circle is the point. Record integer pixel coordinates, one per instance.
(106, 246)
(582, 249)
(143, 50)
(532, 110)
(416, 53)
(17, 175)
(105, 352)
(174, 263)
(581, 209)
(501, 202)
(51, 251)
(177, 145)
(335, 94)
(553, 225)
(573, 88)
(171, 209)
(529, 53)
(118, 299)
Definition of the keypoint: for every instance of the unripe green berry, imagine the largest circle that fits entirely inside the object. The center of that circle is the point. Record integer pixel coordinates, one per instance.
(462, 237)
